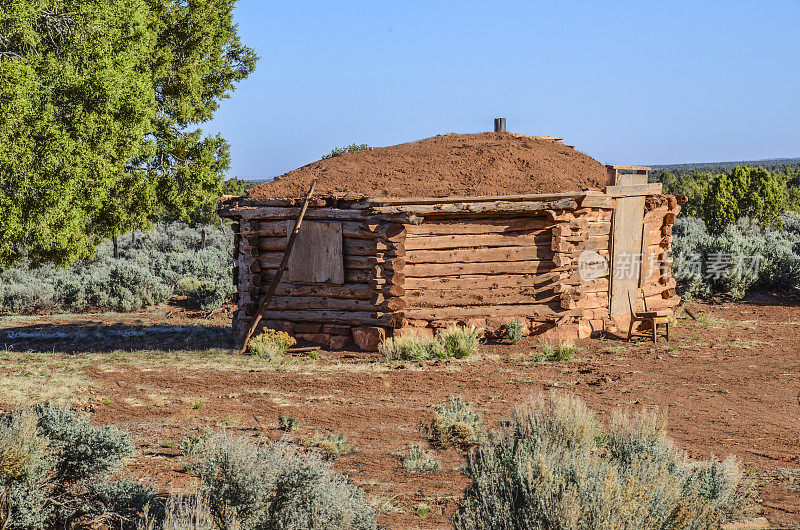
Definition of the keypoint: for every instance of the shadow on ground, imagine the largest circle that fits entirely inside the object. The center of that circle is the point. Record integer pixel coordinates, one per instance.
(93, 337)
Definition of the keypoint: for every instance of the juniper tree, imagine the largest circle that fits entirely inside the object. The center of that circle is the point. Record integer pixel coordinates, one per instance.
(99, 107)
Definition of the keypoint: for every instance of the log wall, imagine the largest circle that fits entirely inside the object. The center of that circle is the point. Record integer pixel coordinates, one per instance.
(323, 313)
(656, 278)
(487, 272)
(443, 264)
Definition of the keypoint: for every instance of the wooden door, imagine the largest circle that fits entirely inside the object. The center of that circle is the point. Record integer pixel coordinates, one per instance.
(627, 236)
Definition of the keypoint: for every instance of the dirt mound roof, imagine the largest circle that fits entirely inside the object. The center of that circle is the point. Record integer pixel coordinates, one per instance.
(447, 165)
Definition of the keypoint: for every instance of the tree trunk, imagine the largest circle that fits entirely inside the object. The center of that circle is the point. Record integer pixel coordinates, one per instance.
(202, 238)
(115, 240)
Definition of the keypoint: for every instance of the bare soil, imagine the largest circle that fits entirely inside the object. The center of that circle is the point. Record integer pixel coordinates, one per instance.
(447, 165)
(729, 381)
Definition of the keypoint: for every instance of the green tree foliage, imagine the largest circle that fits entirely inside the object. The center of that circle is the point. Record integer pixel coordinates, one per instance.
(722, 199)
(99, 103)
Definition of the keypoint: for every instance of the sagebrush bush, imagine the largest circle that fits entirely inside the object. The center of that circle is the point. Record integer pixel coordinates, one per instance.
(694, 249)
(329, 445)
(56, 467)
(418, 460)
(148, 271)
(556, 467)
(454, 342)
(514, 330)
(561, 351)
(181, 512)
(270, 344)
(273, 486)
(455, 424)
(459, 341)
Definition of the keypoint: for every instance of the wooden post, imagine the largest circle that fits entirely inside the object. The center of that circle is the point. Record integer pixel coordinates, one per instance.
(499, 125)
(262, 307)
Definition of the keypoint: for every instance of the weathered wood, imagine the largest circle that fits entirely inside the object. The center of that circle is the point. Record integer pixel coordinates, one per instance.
(627, 243)
(592, 243)
(374, 276)
(545, 311)
(477, 240)
(438, 227)
(634, 190)
(480, 281)
(264, 303)
(394, 201)
(392, 232)
(317, 256)
(299, 303)
(455, 269)
(465, 208)
(477, 255)
(345, 318)
(356, 291)
(366, 247)
(597, 201)
(477, 297)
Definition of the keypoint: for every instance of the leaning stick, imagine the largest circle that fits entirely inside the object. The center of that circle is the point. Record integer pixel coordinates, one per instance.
(262, 307)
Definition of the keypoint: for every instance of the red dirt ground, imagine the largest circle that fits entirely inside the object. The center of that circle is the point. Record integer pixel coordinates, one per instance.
(730, 383)
(448, 165)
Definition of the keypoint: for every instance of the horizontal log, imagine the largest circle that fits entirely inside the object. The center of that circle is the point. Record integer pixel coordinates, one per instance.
(477, 240)
(298, 303)
(632, 190)
(463, 208)
(477, 255)
(345, 318)
(535, 311)
(477, 297)
(592, 243)
(597, 201)
(366, 247)
(358, 230)
(436, 227)
(355, 291)
(373, 276)
(480, 281)
(427, 270)
(388, 201)
(277, 212)
(653, 288)
(591, 228)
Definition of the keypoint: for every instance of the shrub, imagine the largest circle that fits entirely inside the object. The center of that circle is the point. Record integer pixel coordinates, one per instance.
(412, 347)
(459, 341)
(56, 469)
(181, 512)
(331, 444)
(695, 250)
(563, 351)
(514, 330)
(148, 271)
(272, 486)
(336, 151)
(455, 424)
(288, 423)
(454, 342)
(418, 460)
(555, 467)
(194, 443)
(270, 344)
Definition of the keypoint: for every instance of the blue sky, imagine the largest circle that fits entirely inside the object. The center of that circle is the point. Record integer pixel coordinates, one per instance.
(626, 82)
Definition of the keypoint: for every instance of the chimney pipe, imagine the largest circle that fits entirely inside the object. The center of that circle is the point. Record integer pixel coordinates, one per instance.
(499, 125)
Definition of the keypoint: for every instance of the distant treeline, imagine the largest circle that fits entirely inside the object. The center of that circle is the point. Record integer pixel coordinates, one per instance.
(773, 165)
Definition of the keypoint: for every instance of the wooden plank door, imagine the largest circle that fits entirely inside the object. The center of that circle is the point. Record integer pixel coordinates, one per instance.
(626, 251)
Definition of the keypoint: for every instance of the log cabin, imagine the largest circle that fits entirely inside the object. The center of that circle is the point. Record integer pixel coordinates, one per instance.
(367, 265)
